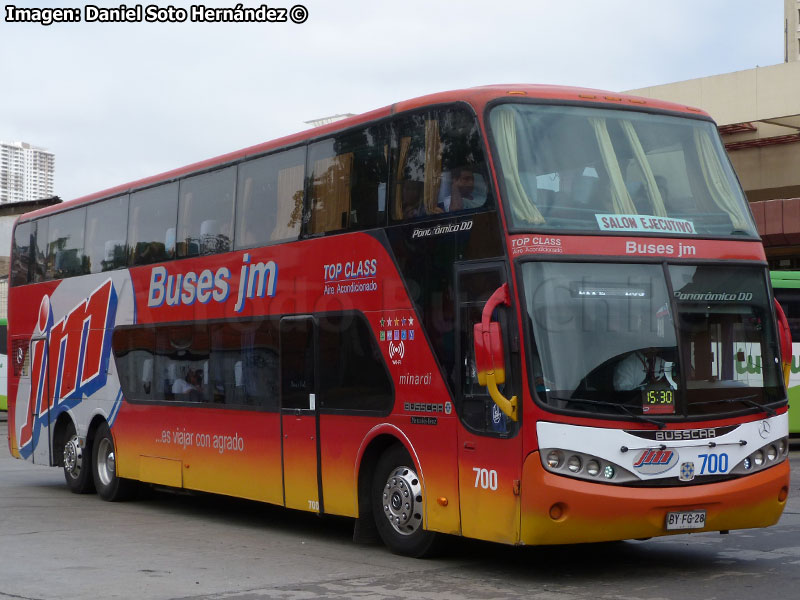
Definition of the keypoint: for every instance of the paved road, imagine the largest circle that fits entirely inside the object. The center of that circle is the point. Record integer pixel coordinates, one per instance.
(58, 545)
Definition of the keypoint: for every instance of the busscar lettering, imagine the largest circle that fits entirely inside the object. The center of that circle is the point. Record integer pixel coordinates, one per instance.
(423, 407)
(685, 434)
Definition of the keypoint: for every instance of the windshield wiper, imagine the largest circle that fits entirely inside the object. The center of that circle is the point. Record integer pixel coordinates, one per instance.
(744, 400)
(622, 407)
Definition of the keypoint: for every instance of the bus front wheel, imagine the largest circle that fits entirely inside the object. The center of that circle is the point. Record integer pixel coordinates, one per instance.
(397, 505)
(77, 463)
(109, 486)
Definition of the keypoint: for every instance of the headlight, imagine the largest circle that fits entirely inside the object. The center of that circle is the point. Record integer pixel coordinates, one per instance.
(584, 466)
(766, 456)
(772, 452)
(574, 463)
(554, 459)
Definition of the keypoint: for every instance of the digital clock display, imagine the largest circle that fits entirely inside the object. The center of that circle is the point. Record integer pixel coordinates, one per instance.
(658, 402)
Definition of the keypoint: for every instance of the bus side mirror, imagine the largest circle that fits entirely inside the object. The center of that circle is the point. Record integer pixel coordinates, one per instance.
(490, 359)
(785, 335)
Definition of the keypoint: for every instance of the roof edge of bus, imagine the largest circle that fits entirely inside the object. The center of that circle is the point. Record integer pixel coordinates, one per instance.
(478, 97)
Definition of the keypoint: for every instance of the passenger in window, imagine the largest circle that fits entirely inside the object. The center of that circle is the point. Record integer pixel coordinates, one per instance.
(188, 389)
(462, 192)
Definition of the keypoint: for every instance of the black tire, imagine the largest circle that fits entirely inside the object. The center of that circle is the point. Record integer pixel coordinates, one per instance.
(397, 505)
(77, 463)
(109, 487)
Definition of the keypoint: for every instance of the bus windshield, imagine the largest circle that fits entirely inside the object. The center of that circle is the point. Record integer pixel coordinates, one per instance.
(612, 338)
(575, 168)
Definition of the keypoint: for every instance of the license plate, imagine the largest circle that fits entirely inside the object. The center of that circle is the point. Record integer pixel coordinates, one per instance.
(690, 519)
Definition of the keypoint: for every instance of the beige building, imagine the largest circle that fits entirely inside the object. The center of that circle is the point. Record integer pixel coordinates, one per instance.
(758, 114)
(792, 30)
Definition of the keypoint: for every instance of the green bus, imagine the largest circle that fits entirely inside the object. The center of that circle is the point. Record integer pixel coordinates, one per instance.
(786, 286)
(3, 364)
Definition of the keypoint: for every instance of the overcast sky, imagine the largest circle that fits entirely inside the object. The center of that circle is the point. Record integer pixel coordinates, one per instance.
(117, 102)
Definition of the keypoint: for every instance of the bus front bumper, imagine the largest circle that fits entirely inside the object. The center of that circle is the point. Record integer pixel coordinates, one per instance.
(560, 510)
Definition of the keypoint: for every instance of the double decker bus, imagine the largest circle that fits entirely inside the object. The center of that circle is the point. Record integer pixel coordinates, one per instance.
(513, 313)
(786, 287)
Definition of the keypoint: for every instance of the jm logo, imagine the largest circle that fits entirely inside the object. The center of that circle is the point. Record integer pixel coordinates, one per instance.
(69, 359)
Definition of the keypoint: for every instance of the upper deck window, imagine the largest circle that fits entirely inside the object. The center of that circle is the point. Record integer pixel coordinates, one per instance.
(577, 168)
(348, 180)
(151, 224)
(205, 213)
(440, 165)
(21, 254)
(269, 198)
(106, 232)
(65, 256)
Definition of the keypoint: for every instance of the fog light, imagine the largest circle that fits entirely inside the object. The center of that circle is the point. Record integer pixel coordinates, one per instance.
(747, 463)
(758, 458)
(608, 472)
(554, 459)
(557, 511)
(593, 468)
(574, 464)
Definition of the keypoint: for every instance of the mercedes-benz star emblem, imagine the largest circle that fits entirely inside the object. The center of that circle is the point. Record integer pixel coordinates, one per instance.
(764, 428)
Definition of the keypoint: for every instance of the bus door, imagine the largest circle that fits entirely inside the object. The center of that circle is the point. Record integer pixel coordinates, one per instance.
(299, 420)
(490, 447)
(41, 388)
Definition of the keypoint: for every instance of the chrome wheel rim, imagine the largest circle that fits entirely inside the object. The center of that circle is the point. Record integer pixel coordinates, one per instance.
(402, 500)
(73, 457)
(106, 463)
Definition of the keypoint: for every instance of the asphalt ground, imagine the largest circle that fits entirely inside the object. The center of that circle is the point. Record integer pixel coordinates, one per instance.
(58, 545)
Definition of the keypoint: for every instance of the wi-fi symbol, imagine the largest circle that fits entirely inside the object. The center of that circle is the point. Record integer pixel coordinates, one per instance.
(396, 349)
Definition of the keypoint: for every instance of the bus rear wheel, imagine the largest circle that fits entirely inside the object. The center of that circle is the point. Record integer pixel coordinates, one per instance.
(109, 486)
(77, 463)
(397, 505)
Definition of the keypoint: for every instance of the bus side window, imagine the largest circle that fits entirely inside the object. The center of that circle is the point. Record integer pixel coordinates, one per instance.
(269, 198)
(106, 233)
(353, 375)
(348, 180)
(134, 352)
(436, 153)
(205, 213)
(477, 410)
(152, 214)
(243, 365)
(40, 227)
(22, 254)
(65, 244)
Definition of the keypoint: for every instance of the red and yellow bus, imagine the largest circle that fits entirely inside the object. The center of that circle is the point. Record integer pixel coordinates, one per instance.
(512, 313)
